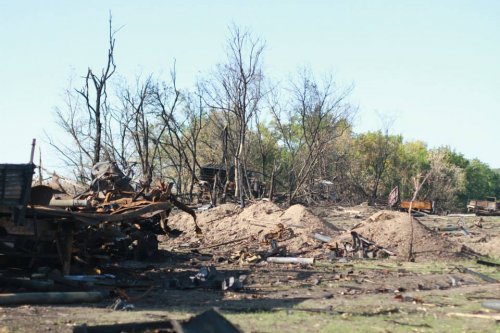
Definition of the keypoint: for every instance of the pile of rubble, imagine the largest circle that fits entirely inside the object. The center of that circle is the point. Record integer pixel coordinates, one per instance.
(110, 220)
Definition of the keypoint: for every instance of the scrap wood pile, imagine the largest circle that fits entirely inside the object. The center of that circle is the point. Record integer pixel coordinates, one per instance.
(359, 247)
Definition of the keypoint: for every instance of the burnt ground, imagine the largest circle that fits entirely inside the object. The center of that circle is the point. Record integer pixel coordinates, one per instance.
(364, 295)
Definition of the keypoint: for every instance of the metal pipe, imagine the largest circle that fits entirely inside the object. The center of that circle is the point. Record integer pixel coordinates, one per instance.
(68, 203)
(32, 156)
(323, 238)
(290, 260)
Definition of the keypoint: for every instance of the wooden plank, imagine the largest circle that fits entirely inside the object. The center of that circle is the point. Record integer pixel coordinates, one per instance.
(418, 205)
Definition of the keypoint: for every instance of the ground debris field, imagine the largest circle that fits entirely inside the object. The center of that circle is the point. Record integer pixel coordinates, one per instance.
(360, 278)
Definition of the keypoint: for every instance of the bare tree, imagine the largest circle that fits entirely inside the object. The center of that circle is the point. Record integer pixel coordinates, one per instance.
(196, 115)
(83, 116)
(137, 112)
(94, 93)
(313, 118)
(169, 138)
(235, 89)
(148, 117)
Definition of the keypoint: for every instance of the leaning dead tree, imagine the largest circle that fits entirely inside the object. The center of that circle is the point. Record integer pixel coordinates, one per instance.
(235, 90)
(83, 116)
(95, 96)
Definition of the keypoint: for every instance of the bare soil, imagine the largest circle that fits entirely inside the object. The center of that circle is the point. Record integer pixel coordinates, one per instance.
(229, 222)
(396, 231)
(378, 295)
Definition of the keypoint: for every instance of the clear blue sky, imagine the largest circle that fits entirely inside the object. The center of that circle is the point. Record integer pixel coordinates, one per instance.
(433, 66)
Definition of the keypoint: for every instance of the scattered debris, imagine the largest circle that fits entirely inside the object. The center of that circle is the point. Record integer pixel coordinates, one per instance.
(408, 298)
(233, 284)
(90, 234)
(122, 305)
(208, 277)
(244, 257)
(360, 247)
(254, 228)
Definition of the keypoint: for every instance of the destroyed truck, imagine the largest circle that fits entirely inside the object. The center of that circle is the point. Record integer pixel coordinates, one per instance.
(489, 206)
(425, 206)
(39, 228)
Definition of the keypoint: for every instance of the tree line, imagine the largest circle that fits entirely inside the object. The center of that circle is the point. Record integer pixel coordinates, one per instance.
(296, 135)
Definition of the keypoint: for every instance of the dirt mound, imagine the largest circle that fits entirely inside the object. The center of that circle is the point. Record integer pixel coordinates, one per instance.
(300, 216)
(259, 211)
(229, 222)
(392, 230)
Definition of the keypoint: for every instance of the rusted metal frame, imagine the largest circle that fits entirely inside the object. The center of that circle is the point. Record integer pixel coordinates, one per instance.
(3, 181)
(26, 191)
(16, 205)
(129, 206)
(93, 219)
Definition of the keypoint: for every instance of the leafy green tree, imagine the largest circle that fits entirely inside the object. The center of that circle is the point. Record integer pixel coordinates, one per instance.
(314, 117)
(412, 160)
(481, 180)
(373, 154)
